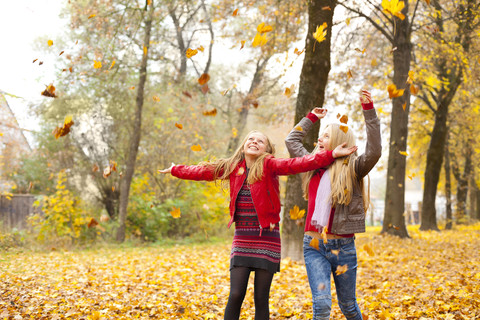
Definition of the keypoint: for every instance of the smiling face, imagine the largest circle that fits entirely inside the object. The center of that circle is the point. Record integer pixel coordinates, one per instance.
(324, 140)
(255, 145)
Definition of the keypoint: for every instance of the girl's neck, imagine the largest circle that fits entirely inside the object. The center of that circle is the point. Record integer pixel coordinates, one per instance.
(249, 161)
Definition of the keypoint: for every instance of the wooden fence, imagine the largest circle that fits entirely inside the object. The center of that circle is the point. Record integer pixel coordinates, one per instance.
(14, 211)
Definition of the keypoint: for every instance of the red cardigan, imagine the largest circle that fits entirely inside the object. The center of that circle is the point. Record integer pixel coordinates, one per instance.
(266, 191)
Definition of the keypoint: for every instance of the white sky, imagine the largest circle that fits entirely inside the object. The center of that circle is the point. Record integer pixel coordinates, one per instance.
(21, 24)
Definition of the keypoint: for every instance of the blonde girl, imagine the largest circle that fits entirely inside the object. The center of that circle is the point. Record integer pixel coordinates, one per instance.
(252, 174)
(337, 201)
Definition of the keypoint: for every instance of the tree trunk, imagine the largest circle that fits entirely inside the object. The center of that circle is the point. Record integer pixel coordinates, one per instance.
(462, 184)
(246, 102)
(477, 208)
(311, 93)
(136, 134)
(448, 187)
(394, 220)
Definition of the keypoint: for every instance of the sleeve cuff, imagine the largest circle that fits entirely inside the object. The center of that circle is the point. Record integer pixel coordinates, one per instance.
(367, 106)
(330, 153)
(313, 117)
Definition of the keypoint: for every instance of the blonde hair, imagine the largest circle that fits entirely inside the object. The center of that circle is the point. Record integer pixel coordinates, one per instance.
(342, 170)
(225, 166)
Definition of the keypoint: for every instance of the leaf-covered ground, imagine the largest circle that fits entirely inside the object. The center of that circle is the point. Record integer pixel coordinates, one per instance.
(433, 275)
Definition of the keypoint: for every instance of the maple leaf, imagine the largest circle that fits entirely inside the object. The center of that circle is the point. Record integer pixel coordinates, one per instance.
(191, 52)
(263, 28)
(403, 153)
(156, 99)
(112, 166)
(296, 213)
(341, 270)
(298, 128)
(201, 48)
(344, 129)
(64, 129)
(324, 235)
(259, 40)
(179, 125)
(175, 213)
(394, 8)
(97, 64)
(393, 92)
(235, 13)
(314, 243)
(113, 63)
(369, 250)
(49, 91)
(321, 32)
(50, 43)
(414, 89)
(212, 112)
(91, 16)
(92, 223)
(361, 51)
(204, 78)
(242, 42)
(196, 147)
(298, 52)
(289, 91)
(349, 74)
(344, 119)
(411, 77)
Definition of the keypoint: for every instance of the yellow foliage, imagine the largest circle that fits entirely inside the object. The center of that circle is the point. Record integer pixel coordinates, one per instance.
(417, 278)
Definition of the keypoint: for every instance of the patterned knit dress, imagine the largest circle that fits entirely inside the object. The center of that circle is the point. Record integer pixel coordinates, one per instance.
(249, 248)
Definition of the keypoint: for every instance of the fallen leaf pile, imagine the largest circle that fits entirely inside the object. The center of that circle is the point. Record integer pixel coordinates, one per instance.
(433, 275)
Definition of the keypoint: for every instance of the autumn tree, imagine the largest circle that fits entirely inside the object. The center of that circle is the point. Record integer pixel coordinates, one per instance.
(311, 94)
(451, 31)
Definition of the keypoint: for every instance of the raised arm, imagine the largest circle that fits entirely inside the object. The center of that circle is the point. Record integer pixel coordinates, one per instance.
(294, 140)
(373, 149)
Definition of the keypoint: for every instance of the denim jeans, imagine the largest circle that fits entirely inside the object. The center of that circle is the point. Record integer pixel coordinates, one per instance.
(325, 261)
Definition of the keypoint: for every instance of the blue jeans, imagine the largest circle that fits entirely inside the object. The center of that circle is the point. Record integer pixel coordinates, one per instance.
(323, 262)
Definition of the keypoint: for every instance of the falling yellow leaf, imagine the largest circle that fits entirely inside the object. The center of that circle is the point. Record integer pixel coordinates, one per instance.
(145, 50)
(349, 74)
(97, 64)
(298, 128)
(259, 40)
(324, 235)
(201, 48)
(235, 12)
(298, 52)
(234, 132)
(411, 77)
(394, 8)
(50, 43)
(393, 92)
(374, 62)
(335, 252)
(179, 125)
(240, 171)
(347, 21)
(344, 119)
(314, 243)
(91, 16)
(242, 44)
(113, 63)
(49, 91)
(289, 91)
(263, 28)
(341, 270)
(196, 147)
(296, 213)
(175, 213)
(321, 32)
(344, 129)
(361, 51)
(191, 52)
(65, 129)
(414, 89)
(212, 112)
(403, 153)
(204, 78)
(327, 8)
(156, 99)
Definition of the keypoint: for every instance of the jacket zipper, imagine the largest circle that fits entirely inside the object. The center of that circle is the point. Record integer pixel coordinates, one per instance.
(235, 203)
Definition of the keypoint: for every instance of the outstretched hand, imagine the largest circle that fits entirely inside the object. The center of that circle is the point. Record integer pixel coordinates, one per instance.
(168, 170)
(319, 112)
(365, 96)
(341, 150)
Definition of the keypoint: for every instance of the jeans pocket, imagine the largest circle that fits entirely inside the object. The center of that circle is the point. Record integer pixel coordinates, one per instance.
(349, 248)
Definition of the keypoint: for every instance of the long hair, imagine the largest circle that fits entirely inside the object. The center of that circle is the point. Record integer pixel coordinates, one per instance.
(225, 166)
(342, 170)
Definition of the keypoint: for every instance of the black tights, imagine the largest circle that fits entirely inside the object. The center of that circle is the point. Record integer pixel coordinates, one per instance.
(238, 288)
